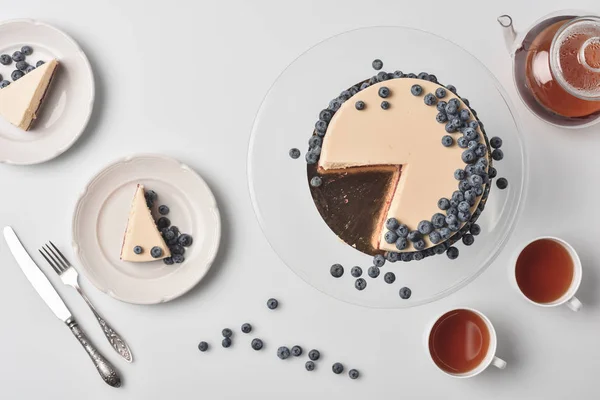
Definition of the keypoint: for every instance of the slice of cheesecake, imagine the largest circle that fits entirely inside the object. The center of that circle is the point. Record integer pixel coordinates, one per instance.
(142, 232)
(21, 101)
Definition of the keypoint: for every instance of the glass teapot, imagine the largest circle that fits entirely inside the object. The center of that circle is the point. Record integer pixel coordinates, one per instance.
(556, 67)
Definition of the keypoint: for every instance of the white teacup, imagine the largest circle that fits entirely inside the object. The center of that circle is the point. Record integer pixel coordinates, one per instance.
(489, 358)
(568, 298)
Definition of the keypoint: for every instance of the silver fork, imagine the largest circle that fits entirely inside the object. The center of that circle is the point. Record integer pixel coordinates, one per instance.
(69, 276)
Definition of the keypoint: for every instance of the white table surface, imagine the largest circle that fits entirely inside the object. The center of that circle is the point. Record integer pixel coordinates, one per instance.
(185, 79)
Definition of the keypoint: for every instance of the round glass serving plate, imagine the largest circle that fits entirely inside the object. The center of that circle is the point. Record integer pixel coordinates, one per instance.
(279, 186)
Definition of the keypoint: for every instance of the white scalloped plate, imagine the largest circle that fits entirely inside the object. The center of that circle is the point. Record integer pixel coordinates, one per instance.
(100, 219)
(69, 104)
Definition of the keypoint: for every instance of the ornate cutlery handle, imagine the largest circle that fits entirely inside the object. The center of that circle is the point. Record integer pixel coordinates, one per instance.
(111, 335)
(105, 369)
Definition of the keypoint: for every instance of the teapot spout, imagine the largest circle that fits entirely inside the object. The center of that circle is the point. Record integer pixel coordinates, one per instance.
(510, 35)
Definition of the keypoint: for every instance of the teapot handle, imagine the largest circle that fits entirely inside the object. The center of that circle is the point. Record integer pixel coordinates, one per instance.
(510, 35)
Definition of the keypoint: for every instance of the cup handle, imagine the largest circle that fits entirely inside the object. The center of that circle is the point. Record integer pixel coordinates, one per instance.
(498, 363)
(574, 304)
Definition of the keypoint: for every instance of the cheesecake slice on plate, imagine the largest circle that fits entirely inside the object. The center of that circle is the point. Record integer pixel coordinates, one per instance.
(20, 102)
(143, 241)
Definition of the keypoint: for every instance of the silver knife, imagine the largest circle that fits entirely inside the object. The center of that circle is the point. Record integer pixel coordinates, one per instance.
(47, 292)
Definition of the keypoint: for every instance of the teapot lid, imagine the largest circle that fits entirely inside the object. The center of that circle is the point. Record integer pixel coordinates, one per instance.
(575, 57)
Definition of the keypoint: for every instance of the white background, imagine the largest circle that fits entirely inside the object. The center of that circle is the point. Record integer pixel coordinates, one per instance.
(185, 78)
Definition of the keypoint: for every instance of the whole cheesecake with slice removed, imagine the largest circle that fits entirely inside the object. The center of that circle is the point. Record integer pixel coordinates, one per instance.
(142, 231)
(20, 102)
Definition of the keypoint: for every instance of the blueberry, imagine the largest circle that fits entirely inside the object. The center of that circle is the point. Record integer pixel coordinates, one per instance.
(450, 127)
(356, 272)
(168, 234)
(451, 219)
(468, 239)
(472, 145)
(373, 272)
(163, 210)
(21, 65)
(163, 222)
(496, 142)
(283, 352)
(336, 270)
(360, 284)
(441, 106)
(326, 115)
(470, 134)
(444, 204)
(315, 141)
(465, 115)
(452, 253)
(418, 256)
(405, 293)
(416, 90)
(384, 92)
(378, 260)
(411, 75)
(401, 243)
(16, 75)
(392, 223)
(5, 59)
(452, 210)
(353, 374)
(389, 277)
(451, 108)
(203, 346)
(464, 216)
(321, 126)
(451, 88)
(392, 256)
(175, 230)
(337, 368)
(440, 93)
(18, 56)
(432, 78)
(178, 258)
(316, 181)
(441, 117)
(226, 332)
(475, 229)
(466, 101)
(4, 84)
(382, 76)
(360, 105)
(460, 174)
(478, 190)
(474, 124)
(424, 76)
(226, 342)
(272, 303)
(435, 237)
(406, 257)
(398, 74)
(481, 150)
(492, 173)
(413, 236)
(29, 69)
(502, 183)
(246, 328)
(390, 237)
(464, 185)
(402, 230)
(377, 64)
(458, 196)
(440, 249)
(168, 260)
(497, 154)
(438, 220)
(447, 141)
(430, 99)
(470, 197)
(475, 181)
(310, 366)
(156, 252)
(138, 250)
(456, 123)
(257, 344)
(468, 156)
(419, 244)
(345, 95)
(177, 249)
(425, 227)
(296, 351)
(462, 142)
(385, 105)
(445, 233)
(311, 157)
(314, 355)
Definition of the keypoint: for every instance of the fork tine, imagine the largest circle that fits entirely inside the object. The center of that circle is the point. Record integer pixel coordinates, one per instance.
(61, 255)
(55, 258)
(50, 262)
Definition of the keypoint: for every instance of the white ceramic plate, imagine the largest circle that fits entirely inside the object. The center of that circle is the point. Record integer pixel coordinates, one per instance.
(100, 220)
(68, 107)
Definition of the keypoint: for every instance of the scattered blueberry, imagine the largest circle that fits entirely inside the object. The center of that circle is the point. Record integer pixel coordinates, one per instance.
(389, 277)
(356, 272)
(21, 65)
(138, 250)
(314, 355)
(468, 156)
(502, 183)
(497, 154)
(5, 59)
(401, 243)
(373, 272)
(178, 258)
(168, 260)
(465, 115)
(430, 99)
(378, 260)
(29, 69)
(296, 351)
(435, 237)
(441, 117)
(440, 93)
(468, 239)
(416, 90)
(246, 328)
(27, 50)
(257, 344)
(360, 284)
(39, 63)
(337, 270)
(475, 229)
(496, 142)
(18, 56)
(283, 352)
(316, 181)
(405, 293)
(226, 342)
(226, 332)
(452, 253)
(385, 105)
(337, 368)
(16, 75)
(177, 249)
(294, 153)
(377, 64)
(156, 252)
(163, 222)
(203, 346)
(444, 204)
(493, 172)
(360, 105)
(384, 92)
(447, 141)
(310, 366)
(353, 374)
(4, 84)
(272, 304)
(425, 227)
(390, 237)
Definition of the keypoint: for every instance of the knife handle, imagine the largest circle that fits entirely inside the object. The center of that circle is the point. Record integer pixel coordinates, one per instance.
(105, 369)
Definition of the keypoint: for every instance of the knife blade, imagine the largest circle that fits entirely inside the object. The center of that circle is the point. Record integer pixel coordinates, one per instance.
(44, 288)
(36, 277)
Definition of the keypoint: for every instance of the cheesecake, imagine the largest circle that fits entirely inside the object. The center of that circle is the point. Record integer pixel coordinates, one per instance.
(21, 101)
(142, 238)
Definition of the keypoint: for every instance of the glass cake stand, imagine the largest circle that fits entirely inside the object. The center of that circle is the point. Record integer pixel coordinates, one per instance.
(279, 187)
